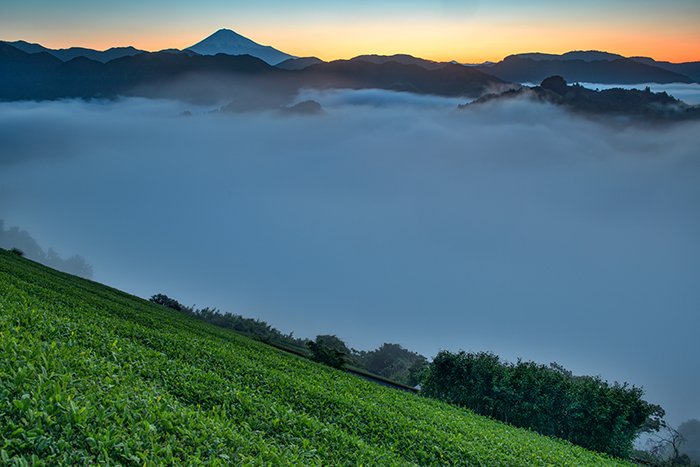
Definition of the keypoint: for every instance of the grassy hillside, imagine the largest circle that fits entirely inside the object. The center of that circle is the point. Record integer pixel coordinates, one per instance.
(89, 374)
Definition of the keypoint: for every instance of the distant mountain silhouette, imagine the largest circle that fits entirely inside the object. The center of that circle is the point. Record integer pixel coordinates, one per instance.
(74, 52)
(585, 55)
(14, 237)
(244, 78)
(583, 66)
(448, 80)
(159, 74)
(400, 58)
(178, 51)
(689, 69)
(225, 41)
(296, 64)
(633, 103)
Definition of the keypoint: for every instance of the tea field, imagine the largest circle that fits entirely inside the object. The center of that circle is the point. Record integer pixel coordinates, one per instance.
(92, 375)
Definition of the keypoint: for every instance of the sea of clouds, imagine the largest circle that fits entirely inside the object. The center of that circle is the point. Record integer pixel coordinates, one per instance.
(512, 227)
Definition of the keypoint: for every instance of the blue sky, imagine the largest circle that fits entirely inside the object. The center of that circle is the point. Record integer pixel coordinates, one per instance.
(463, 30)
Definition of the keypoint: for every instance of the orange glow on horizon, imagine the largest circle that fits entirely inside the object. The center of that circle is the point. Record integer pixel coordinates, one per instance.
(466, 43)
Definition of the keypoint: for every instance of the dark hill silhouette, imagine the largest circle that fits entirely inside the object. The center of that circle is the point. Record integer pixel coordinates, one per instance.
(42, 76)
(299, 63)
(689, 69)
(216, 77)
(14, 237)
(449, 80)
(23, 75)
(526, 69)
(74, 52)
(633, 103)
(400, 58)
(585, 55)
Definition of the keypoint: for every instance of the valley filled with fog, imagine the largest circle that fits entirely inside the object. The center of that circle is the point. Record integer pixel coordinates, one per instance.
(515, 227)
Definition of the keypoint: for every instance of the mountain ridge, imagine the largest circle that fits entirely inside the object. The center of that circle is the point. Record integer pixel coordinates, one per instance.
(212, 77)
(74, 52)
(530, 67)
(525, 69)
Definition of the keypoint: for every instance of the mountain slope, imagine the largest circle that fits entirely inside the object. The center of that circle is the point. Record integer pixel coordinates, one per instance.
(618, 71)
(296, 64)
(218, 77)
(93, 375)
(689, 69)
(159, 74)
(584, 55)
(400, 58)
(447, 80)
(225, 41)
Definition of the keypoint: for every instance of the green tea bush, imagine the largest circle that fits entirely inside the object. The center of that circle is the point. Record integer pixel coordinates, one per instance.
(90, 375)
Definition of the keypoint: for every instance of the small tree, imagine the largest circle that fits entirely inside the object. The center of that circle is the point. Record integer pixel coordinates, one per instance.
(17, 251)
(665, 447)
(164, 300)
(329, 350)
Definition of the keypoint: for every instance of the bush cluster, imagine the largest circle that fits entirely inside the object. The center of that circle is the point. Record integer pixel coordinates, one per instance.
(550, 400)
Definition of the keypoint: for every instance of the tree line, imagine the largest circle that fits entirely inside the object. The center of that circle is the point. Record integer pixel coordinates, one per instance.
(389, 360)
(550, 400)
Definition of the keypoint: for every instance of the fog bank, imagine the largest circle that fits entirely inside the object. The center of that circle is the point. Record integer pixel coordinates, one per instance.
(515, 228)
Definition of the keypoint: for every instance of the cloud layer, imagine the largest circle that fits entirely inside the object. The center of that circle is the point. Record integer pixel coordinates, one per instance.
(515, 228)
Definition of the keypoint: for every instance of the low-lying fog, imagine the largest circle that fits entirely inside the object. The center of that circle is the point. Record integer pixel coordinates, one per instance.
(515, 228)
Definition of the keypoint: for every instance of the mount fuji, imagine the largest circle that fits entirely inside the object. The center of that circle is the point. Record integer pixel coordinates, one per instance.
(225, 41)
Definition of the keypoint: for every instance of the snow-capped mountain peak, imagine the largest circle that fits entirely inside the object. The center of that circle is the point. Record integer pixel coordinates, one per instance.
(226, 41)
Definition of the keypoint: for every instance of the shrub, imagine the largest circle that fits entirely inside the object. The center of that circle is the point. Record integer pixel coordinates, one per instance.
(329, 350)
(17, 251)
(585, 410)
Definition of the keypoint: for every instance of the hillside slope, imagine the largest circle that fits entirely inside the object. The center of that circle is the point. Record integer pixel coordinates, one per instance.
(90, 375)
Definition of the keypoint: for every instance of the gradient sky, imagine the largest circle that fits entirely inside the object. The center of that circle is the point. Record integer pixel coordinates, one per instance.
(463, 30)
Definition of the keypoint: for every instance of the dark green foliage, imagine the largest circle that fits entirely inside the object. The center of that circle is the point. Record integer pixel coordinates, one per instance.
(329, 350)
(16, 251)
(393, 362)
(90, 375)
(390, 361)
(585, 410)
(633, 103)
(162, 299)
(252, 327)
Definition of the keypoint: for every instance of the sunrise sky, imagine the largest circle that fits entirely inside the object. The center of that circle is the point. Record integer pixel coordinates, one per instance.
(467, 31)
